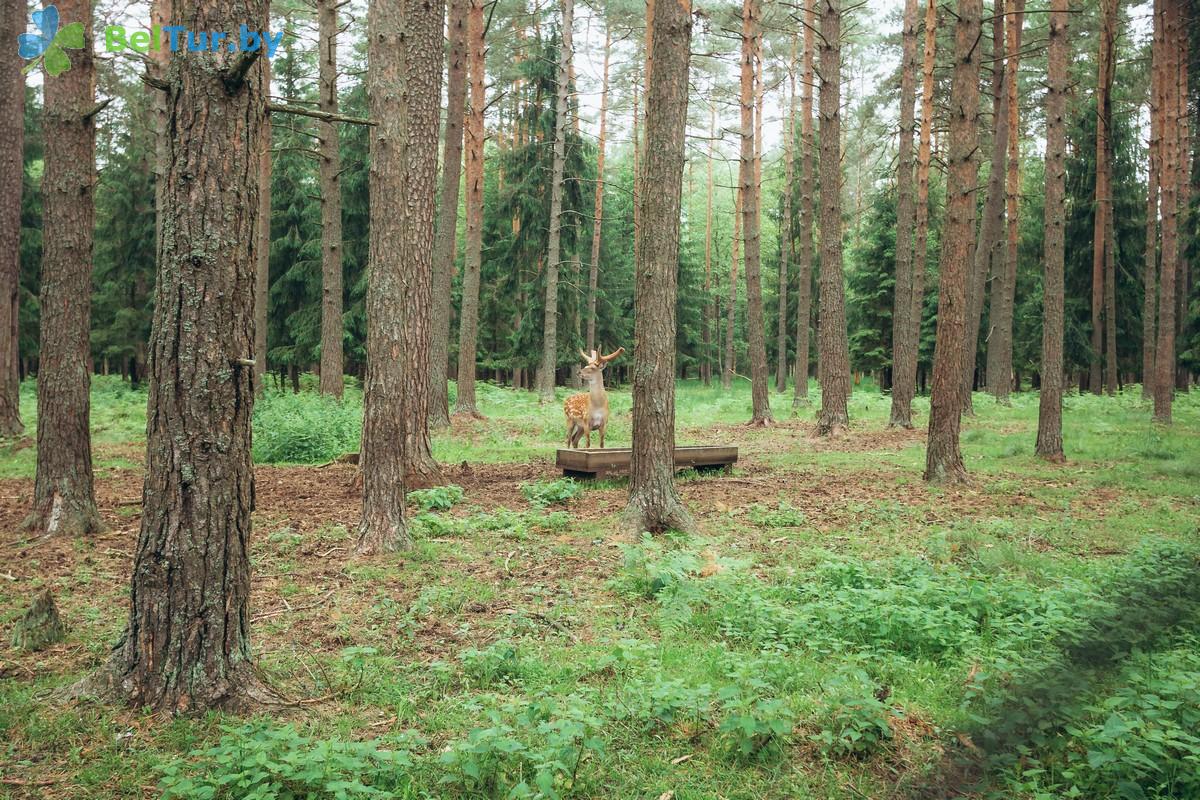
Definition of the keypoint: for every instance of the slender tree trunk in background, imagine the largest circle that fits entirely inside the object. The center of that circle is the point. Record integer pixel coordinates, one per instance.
(405, 51)
(654, 505)
(731, 306)
(1183, 283)
(987, 249)
(904, 346)
(785, 227)
(262, 250)
(12, 172)
(1169, 58)
(598, 221)
(447, 220)
(468, 322)
(331, 203)
(1110, 301)
(63, 495)
(924, 159)
(187, 644)
(1102, 197)
(549, 360)
(943, 458)
(1049, 437)
(833, 360)
(637, 181)
(807, 152)
(999, 352)
(709, 298)
(1150, 256)
(748, 180)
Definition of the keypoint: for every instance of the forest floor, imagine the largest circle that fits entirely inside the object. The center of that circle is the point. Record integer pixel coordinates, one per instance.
(835, 628)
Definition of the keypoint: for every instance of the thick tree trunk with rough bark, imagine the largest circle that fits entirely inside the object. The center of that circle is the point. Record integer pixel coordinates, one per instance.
(999, 352)
(468, 320)
(405, 51)
(833, 362)
(12, 170)
(1049, 436)
(63, 495)
(262, 249)
(447, 220)
(654, 505)
(1170, 45)
(731, 306)
(422, 80)
(331, 202)
(549, 361)
(943, 457)
(598, 220)
(785, 227)
(804, 276)
(748, 180)
(904, 346)
(988, 251)
(187, 644)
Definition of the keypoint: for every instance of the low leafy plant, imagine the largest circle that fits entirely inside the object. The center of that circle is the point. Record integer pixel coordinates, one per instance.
(304, 428)
(547, 493)
(437, 498)
(753, 726)
(783, 515)
(259, 760)
(495, 663)
(855, 720)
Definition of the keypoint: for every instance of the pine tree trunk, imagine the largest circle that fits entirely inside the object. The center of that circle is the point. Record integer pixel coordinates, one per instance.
(447, 220)
(943, 457)
(1183, 283)
(331, 203)
(709, 297)
(468, 323)
(785, 228)
(262, 233)
(731, 306)
(63, 495)
(1150, 255)
(12, 171)
(187, 644)
(1110, 301)
(598, 216)
(987, 248)
(1164, 357)
(405, 51)
(833, 362)
(1103, 201)
(999, 352)
(654, 504)
(748, 179)
(904, 345)
(924, 159)
(807, 153)
(1049, 436)
(549, 362)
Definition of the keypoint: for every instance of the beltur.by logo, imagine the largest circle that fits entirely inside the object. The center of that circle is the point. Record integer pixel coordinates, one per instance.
(45, 47)
(178, 37)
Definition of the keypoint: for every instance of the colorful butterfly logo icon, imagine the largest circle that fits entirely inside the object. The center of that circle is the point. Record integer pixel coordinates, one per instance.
(46, 46)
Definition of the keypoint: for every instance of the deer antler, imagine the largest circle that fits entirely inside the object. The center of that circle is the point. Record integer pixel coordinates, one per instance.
(612, 355)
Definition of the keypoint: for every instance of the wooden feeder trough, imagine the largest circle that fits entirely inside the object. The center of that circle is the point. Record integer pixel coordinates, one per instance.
(595, 463)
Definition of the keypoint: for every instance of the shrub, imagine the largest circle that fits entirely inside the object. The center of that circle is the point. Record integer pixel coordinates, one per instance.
(753, 726)
(304, 428)
(259, 760)
(437, 498)
(546, 493)
(497, 662)
(855, 721)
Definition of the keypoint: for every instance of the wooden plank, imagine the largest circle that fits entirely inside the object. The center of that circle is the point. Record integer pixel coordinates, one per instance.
(596, 462)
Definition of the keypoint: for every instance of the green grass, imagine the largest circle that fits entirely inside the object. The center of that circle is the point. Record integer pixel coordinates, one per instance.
(835, 628)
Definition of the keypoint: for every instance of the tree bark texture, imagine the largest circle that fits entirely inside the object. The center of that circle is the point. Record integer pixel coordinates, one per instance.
(1049, 436)
(447, 220)
(1164, 358)
(262, 250)
(468, 321)
(805, 267)
(904, 345)
(943, 457)
(12, 173)
(785, 228)
(654, 505)
(1103, 193)
(1150, 256)
(331, 202)
(598, 220)
(833, 362)
(751, 234)
(549, 360)
(187, 644)
(63, 494)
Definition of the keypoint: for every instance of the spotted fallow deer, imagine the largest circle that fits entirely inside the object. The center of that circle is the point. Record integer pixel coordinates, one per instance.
(588, 411)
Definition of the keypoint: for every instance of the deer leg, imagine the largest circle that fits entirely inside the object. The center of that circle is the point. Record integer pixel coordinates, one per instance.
(603, 427)
(588, 430)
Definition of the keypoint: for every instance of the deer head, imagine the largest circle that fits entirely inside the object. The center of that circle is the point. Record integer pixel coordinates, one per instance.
(595, 363)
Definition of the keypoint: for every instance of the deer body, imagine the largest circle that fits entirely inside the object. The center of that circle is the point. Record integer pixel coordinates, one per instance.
(588, 411)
